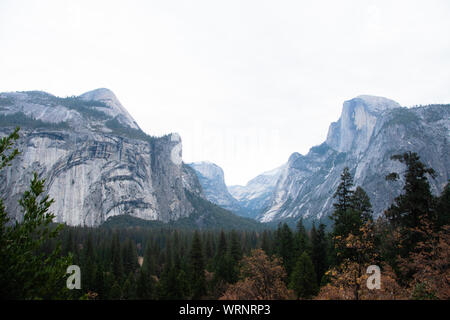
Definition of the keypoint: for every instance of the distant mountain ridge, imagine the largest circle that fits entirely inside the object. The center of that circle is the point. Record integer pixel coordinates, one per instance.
(369, 131)
(211, 177)
(255, 196)
(99, 164)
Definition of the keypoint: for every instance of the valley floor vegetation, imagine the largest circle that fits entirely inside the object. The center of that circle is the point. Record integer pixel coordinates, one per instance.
(410, 242)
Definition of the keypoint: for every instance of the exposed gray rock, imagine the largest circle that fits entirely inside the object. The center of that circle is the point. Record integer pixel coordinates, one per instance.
(357, 122)
(212, 180)
(255, 196)
(369, 131)
(96, 161)
(115, 107)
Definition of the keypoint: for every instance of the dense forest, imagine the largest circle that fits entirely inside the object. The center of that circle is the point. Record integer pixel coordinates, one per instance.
(409, 242)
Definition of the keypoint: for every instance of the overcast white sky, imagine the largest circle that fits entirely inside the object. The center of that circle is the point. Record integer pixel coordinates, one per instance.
(245, 83)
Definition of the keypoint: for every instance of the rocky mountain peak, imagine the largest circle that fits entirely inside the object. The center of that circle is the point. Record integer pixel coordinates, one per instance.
(293, 157)
(369, 131)
(211, 178)
(100, 94)
(208, 169)
(116, 109)
(95, 168)
(374, 103)
(357, 122)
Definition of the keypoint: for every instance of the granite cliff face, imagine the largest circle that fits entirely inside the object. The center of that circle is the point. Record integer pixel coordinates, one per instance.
(211, 178)
(369, 131)
(255, 196)
(247, 201)
(96, 161)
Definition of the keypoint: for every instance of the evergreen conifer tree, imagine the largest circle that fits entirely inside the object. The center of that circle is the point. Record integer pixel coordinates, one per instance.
(198, 283)
(301, 239)
(303, 278)
(26, 271)
(285, 246)
(116, 257)
(319, 251)
(415, 205)
(221, 267)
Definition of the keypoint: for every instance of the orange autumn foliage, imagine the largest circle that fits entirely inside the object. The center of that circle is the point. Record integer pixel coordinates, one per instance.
(348, 281)
(430, 264)
(261, 278)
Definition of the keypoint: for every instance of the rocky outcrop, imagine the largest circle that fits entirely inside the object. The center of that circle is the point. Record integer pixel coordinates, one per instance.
(255, 196)
(353, 130)
(115, 107)
(96, 161)
(369, 131)
(211, 178)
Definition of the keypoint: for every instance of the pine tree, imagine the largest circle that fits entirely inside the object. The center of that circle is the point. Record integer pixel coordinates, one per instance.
(69, 245)
(116, 258)
(129, 256)
(183, 288)
(115, 292)
(265, 243)
(443, 208)
(129, 288)
(88, 264)
(197, 268)
(26, 272)
(209, 250)
(346, 220)
(361, 203)
(99, 282)
(235, 247)
(173, 284)
(221, 266)
(301, 239)
(169, 255)
(144, 286)
(352, 210)
(285, 242)
(415, 205)
(176, 249)
(149, 264)
(344, 192)
(303, 278)
(235, 256)
(319, 251)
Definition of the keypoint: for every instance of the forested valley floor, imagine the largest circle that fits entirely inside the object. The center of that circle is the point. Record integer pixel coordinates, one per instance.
(409, 244)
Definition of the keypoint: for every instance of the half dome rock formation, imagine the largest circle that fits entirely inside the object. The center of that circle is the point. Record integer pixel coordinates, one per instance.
(369, 131)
